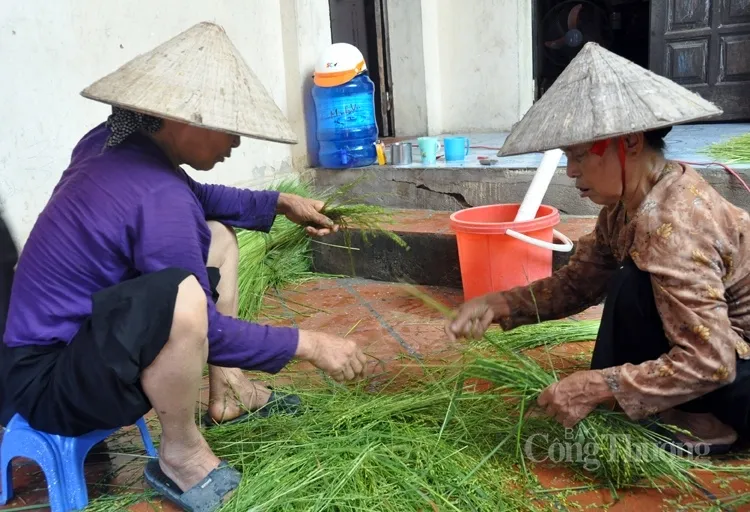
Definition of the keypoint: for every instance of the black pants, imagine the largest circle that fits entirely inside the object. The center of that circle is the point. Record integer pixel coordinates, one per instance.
(94, 381)
(8, 260)
(631, 332)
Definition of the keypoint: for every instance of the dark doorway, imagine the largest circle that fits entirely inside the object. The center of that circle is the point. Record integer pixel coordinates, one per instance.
(563, 27)
(703, 45)
(364, 24)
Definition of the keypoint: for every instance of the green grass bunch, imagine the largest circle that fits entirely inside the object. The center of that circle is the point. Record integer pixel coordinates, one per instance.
(606, 445)
(116, 502)
(283, 257)
(421, 448)
(544, 334)
(732, 151)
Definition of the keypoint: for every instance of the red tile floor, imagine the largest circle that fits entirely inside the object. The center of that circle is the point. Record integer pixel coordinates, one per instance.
(387, 322)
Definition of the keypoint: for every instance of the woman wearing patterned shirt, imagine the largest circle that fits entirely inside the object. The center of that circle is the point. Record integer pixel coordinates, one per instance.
(669, 253)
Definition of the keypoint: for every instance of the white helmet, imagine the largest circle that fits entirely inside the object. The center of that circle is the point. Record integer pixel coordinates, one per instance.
(339, 63)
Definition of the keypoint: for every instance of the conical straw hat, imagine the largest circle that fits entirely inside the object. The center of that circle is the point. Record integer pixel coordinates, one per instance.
(601, 95)
(197, 77)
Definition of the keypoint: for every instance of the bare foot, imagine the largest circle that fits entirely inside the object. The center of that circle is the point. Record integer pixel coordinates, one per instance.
(704, 427)
(186, 465)
(231, 394)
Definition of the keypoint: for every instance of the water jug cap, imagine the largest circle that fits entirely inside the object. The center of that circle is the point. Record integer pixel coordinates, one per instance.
(339, 63)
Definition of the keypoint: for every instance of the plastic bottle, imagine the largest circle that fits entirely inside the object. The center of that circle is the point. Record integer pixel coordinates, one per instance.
(347, 131)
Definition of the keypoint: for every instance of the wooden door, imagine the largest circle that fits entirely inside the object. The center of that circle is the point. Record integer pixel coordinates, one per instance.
(704, 45)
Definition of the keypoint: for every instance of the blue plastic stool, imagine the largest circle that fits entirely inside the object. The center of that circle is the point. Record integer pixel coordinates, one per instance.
(61, 459)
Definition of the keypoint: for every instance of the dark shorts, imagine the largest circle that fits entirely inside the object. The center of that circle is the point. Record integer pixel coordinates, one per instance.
(94, 381)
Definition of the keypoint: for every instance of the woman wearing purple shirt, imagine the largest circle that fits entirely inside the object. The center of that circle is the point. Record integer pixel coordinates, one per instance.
(127, 284)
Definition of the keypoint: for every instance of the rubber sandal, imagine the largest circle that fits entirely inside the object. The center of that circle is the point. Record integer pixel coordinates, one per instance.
(677, 446)
(208, 495)
(278, 403)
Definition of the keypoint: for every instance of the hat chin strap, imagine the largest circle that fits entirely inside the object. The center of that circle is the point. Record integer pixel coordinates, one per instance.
(621, 155)
(601, 146)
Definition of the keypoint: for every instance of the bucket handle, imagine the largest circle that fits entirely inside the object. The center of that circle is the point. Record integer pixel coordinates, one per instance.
(566, 246)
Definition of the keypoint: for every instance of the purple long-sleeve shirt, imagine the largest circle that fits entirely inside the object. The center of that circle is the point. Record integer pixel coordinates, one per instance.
(121, 212)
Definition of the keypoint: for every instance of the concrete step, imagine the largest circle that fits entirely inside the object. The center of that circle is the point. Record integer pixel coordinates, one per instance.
(433, 255)
(451, 187)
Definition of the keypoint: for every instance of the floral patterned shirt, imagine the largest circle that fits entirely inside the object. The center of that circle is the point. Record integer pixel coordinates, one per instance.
(696, 246)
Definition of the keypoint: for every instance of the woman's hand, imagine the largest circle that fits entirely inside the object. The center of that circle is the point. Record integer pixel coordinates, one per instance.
(338, 357)
(306, 212)
(574, 397)
(473, 318)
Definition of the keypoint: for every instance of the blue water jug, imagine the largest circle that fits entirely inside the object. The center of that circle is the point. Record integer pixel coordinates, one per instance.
(347, 131)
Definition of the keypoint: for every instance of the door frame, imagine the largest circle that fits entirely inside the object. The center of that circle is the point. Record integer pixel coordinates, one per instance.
(536, 55)
(364, 24)
(385, 87)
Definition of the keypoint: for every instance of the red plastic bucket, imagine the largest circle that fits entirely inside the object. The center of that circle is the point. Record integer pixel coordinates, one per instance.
(497, 254)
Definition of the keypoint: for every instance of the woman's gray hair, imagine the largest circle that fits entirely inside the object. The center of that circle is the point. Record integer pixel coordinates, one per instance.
(123, 123)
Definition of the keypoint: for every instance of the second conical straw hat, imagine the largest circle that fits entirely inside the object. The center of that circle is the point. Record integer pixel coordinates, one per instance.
(197, 77)
(601, 95)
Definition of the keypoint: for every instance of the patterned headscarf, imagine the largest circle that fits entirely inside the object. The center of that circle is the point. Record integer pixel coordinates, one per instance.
(124, 123)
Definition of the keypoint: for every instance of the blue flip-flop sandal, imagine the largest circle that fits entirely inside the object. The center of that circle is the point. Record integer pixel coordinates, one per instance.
(278, 403)
(208, 495)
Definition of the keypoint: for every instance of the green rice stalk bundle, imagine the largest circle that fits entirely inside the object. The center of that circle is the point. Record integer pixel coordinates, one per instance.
(270, 261)
(605, 445)
(350, 211)
(428, 448)
(283, 257)
(119, 502)
(548, 334)
(544, 334)
(734, 150)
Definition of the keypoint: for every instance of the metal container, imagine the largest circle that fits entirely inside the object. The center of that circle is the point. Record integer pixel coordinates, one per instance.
(401, 153)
